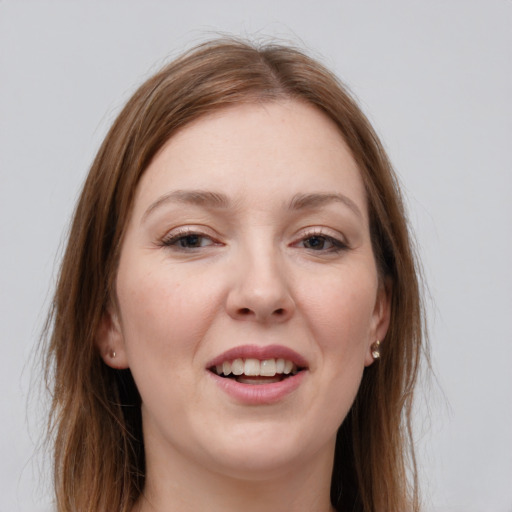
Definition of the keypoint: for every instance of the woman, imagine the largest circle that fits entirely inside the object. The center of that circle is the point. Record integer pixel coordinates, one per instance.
(237, 321)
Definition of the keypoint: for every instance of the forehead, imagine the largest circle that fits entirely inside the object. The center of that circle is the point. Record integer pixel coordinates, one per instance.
(253, 150)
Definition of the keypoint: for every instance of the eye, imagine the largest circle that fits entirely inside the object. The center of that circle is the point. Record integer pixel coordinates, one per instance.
(317, 243)
(187, 240)
(322, 243)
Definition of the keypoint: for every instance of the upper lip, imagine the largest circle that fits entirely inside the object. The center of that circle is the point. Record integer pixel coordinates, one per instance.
(259, 352)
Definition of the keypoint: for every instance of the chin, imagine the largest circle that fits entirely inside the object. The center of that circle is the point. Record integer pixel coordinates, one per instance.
(266, 451)
(257, 464)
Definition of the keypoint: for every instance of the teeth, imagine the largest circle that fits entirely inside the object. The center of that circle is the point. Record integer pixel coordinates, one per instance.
(255, 368)
(252, 367)
(268, 368)
(237, 367)
(226, 367)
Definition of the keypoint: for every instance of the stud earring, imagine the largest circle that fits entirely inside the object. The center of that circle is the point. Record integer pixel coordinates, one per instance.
(375, 348)
(113, 354)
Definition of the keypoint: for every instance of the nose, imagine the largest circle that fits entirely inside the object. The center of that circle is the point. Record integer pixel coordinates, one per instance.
(260, 290)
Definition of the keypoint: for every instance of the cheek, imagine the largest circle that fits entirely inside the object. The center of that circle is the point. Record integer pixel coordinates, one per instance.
(340, 319)
(163, 314)
(340, 311)
(164, 317)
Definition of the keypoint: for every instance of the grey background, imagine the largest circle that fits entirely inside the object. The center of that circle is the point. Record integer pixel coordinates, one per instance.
(434, 77)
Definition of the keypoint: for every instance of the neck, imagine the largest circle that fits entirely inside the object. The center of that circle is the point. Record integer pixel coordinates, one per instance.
(177, 484)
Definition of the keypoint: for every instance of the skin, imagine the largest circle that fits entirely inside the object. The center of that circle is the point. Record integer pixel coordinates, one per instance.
(196, 279)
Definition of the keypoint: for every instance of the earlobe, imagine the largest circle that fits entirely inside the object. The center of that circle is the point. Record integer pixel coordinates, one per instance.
(110, 341)
(380, 320)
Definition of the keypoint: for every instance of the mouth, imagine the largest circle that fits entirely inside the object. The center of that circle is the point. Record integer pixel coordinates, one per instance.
(255, 371)
(256, 365)
(259, 375)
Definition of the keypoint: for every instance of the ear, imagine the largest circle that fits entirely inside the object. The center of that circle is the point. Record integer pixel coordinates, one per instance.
(110, 341)
(380, 318)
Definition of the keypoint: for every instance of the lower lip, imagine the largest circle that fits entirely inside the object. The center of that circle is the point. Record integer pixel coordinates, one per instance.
(259, 394)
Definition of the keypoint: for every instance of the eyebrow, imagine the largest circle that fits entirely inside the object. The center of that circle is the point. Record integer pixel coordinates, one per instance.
(217, 200)
(196, 197)
(315, 200)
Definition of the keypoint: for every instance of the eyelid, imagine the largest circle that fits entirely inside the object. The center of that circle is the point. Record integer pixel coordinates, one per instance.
(322, 231)
(338, 240)
(177, 233)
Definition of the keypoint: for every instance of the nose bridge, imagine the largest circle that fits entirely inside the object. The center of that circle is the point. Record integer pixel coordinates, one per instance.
(260, 289)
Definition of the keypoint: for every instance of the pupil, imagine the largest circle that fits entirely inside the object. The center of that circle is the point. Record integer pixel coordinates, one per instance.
(315, 242)
(190, 241)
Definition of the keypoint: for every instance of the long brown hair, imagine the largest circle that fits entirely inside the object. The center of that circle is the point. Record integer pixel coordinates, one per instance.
(95, 419)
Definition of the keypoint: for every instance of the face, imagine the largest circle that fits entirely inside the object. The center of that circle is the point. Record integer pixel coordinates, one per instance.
(247, 291)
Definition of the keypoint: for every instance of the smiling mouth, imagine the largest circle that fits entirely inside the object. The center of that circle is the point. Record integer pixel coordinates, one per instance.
(254, 371)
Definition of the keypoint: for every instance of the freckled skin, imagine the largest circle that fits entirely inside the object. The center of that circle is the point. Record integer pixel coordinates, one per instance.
(253, 279)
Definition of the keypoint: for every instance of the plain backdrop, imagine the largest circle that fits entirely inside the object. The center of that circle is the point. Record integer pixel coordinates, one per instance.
(435, 78)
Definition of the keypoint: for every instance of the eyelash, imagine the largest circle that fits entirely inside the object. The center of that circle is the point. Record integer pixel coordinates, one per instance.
(337, 245)
(181, 236)
(173, 240)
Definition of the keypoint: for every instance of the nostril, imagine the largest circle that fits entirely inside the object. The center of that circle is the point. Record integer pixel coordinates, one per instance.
(279, 312)
(245, 311)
